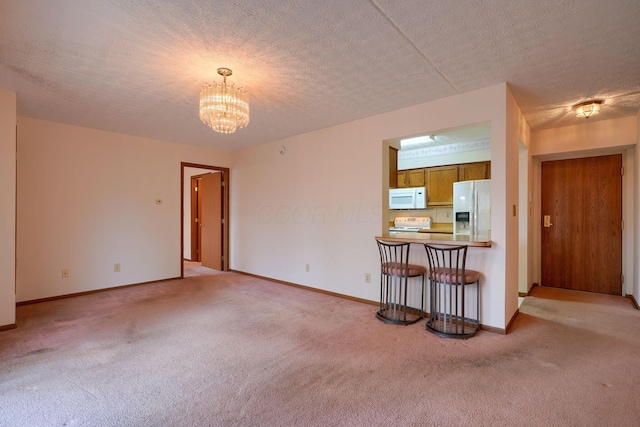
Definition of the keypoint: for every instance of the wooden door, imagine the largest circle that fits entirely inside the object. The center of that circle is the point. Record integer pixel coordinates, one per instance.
(582, 224)
(211, 220)
(195, 219)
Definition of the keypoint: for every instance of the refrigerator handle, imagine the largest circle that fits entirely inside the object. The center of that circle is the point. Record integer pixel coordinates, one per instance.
(474, 219)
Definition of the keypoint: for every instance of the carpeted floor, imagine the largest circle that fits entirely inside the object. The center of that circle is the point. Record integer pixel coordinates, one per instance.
(195, 268)
(232, 350)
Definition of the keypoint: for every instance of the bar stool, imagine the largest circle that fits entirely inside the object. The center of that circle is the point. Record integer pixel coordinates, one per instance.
(395, 273)
(450, 315)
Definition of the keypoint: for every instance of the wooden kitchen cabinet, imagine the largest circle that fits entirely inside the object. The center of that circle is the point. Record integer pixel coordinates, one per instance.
(471, 171)
(440, 185)
(411, 178)
(393, 167)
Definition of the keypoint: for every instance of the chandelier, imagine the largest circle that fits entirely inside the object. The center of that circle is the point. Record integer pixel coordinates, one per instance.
(588, 109)
(224, 107)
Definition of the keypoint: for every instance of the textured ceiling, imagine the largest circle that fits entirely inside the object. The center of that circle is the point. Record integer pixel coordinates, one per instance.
(136, 67)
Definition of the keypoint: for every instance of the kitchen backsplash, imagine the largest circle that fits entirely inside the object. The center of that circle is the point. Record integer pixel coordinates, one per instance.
(438, 215)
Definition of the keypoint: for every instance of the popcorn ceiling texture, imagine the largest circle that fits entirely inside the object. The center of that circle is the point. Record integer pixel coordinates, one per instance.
(136, 67)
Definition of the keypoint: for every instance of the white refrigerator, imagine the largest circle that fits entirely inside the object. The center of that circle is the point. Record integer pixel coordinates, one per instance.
(472, 207)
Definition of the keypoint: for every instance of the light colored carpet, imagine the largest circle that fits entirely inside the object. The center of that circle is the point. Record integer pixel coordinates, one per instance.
(194, 268)
(232, 350)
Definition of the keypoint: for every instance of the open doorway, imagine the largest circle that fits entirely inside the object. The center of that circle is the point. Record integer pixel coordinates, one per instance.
(204, 225)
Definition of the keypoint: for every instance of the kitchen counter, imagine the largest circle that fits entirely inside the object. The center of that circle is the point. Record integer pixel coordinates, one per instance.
(441, 227)
(437, 239)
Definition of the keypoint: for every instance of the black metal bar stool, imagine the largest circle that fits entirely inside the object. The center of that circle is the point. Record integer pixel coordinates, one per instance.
(450, 315)
(395, 273)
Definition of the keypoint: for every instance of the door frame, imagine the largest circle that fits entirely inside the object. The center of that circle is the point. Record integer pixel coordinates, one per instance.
(628, 252)
(225, 211)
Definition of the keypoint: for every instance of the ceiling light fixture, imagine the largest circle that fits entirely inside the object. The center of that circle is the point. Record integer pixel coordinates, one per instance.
(224, 107)
(416, 140)
(588, 109)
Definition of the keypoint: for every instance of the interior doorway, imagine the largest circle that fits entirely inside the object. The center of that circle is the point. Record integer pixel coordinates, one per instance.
(581, 237)
(204, 225)
(205, 220)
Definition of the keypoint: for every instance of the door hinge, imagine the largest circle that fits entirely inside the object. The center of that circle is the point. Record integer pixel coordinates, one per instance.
(223, 183)
(622, 170)
(622, 225)
(622, 279)
(223, 220)
(196, 220)
(196, 188)
(222, 257)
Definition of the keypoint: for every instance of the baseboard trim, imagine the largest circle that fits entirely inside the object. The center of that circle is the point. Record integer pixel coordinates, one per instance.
(362, 300)
(633, 300)
(308, 288)
(8, 327)
(493, 329)
(95, 291)
(513, 319)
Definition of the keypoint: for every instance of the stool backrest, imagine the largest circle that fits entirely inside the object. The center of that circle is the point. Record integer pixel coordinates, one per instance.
(394, 257)
(447, 264)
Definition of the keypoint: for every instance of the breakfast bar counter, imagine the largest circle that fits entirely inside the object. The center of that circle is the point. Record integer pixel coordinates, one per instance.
(437, 239)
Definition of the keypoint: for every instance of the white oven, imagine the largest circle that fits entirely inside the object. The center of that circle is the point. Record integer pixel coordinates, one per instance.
(404, 224)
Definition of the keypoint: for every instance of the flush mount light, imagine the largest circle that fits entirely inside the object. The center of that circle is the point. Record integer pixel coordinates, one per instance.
(588, 109)
(224, 107)
(405, 143)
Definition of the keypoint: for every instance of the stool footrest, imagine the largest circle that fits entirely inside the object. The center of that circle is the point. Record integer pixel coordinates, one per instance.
(452, 326)
(398, 315)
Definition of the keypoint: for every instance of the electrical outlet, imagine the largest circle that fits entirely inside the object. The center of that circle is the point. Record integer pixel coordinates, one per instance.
(116, 268)
(65, 273)
(307, 268)
(367, 277)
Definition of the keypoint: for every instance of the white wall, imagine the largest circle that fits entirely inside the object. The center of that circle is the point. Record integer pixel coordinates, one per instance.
(87, 200)
(524, 221)
(7, 208)
(590, 139)
(518, 134)
(323, 202)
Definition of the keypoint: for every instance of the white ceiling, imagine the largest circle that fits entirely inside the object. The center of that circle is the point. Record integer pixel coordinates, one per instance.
(137, 66)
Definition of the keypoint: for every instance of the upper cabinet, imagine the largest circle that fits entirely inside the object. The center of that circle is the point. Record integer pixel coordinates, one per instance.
(440, 185)
(439, 180)
(411, 178)
(471, 171)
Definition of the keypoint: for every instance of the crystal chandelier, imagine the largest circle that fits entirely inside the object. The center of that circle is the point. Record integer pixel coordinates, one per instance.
(224, 107)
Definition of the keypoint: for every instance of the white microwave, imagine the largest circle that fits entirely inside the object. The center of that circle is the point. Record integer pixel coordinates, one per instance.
(408, 198)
